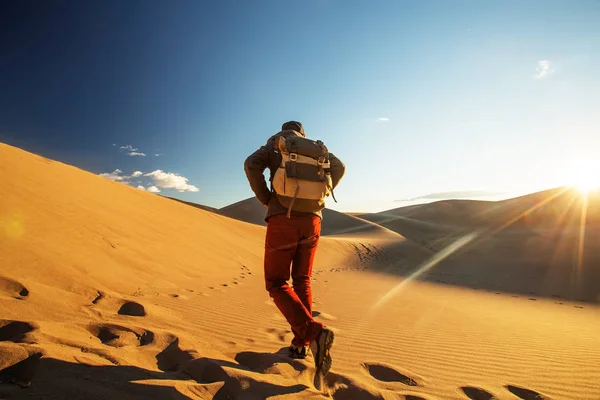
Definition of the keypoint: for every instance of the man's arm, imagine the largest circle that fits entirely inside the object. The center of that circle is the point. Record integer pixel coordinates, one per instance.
(254, 166)
(337, 170)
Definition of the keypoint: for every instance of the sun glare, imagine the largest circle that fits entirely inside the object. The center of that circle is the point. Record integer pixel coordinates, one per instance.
(585, 175)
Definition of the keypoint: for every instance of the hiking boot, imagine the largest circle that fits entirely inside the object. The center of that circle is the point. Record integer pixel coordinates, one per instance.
(298, 352)
(320, 349)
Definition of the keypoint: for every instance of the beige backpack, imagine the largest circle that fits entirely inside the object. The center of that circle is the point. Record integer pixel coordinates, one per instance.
(302, 181)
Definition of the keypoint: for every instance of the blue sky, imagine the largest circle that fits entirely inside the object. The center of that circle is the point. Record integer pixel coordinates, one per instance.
(416, 97)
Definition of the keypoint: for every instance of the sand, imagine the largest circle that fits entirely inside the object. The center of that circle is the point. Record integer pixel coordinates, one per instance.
(110, 292)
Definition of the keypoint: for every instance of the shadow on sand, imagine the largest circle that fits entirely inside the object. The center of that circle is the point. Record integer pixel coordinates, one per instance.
(48, 378)
(559, 263)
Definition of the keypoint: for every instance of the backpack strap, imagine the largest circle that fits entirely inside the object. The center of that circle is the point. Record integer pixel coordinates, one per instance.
(332, 195)
(290, 167)
(324, 168)
(289, 213)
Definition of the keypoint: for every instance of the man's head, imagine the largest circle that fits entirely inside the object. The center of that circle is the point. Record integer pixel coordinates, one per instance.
(294, 125)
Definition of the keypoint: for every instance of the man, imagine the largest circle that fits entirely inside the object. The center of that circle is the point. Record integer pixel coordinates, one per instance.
(292, 239)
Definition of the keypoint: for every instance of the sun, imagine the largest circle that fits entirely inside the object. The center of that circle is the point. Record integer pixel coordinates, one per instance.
(585, 175)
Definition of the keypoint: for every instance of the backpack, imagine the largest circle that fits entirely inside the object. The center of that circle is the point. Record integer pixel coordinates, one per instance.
(302, 180)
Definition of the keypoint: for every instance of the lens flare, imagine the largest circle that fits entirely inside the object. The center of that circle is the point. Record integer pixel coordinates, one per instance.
(459, 244)
(427, 265)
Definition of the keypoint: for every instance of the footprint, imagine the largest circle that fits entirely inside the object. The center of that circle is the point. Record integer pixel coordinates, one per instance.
(173, 357)
(255, 361)
(526, 394)
(267, 363)
(345, 388)
(132, 309)
(386, 373)
(345, 392)
(206, 370)
(100, 353)
(15, 331)
(475, 393)
(13, 288)
(323, 316)
(99, 297)
(278, 334)
(120, 336)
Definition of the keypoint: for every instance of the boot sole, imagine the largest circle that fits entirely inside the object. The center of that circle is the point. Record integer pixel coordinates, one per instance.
(323, 361)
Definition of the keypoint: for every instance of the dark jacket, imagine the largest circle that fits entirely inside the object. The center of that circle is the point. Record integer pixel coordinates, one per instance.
(267, 157)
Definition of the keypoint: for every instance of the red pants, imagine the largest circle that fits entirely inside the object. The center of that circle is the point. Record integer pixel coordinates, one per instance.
(293, 242)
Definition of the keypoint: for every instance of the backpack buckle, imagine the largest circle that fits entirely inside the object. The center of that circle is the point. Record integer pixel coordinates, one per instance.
(323, 163)
(293, 157)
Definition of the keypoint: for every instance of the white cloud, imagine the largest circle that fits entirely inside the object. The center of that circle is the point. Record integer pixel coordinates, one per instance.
(114, 144)
(153, 189)
(169, 180)
(132, 151)
(157, 154)
(543, 69)
(161, 180)
(116, 175)
(383, 119)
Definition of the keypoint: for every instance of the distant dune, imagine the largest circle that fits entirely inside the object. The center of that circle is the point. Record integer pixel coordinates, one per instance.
(249, 210)
(109, 292)
(535, 243)
(546, 208)
(200, 206)
(334, 222)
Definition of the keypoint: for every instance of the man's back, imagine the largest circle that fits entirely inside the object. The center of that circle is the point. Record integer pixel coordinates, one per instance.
(269, 157)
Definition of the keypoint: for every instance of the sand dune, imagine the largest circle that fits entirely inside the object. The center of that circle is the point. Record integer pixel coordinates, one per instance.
(110, 292)
(544, 208)
(249, 210)
(334, 223)
(200, 206)
(455, 213)
(534, 244)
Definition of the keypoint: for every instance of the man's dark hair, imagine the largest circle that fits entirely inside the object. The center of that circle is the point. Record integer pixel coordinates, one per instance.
(294, 125)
